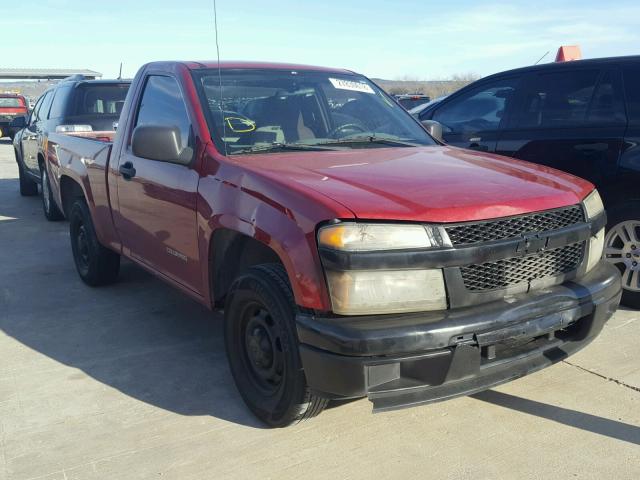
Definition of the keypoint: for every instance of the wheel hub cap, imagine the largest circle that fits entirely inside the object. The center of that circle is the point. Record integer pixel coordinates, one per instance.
(622, 248)
(263, 349)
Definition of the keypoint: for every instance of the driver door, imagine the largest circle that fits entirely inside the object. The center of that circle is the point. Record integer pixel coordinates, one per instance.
(474, 118)
(30, 134)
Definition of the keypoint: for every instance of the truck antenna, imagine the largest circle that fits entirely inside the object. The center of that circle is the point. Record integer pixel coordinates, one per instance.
(120, 74)
(540, 59)
(215, 26)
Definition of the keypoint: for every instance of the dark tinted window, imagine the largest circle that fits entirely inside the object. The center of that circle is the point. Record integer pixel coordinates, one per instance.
(43, 112)
(632, 90)
(559, 99)
(162, 104)
(607, 104)
(478, 109)
(99, 99)
(59, 105)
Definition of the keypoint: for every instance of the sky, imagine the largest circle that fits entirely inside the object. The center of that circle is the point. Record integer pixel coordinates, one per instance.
(401, 39)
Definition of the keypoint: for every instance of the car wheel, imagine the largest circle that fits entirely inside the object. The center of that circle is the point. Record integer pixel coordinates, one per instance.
(96, 264)
(51, 210)
(28, 188)
(262, 348)
(622, 248)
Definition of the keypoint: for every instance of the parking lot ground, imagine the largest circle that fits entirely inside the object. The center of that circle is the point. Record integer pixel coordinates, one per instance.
(131, 382)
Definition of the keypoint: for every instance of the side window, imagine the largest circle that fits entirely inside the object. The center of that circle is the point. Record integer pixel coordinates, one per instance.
(34, 113)
(632, 90)
(162, 104)
(43, 112)
(59, 104)
(478, 110)
(607, 104)
(559, 99)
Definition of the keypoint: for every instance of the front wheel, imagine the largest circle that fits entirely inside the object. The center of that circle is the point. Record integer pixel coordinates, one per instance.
(262, 348)
(51, 210)
(96, 264)
(622, 248)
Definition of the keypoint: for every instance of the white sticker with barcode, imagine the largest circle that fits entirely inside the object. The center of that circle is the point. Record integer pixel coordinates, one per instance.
(351, 85)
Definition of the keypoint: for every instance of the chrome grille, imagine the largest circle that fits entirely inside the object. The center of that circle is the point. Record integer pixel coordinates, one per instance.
(486, 231)
(512, 271)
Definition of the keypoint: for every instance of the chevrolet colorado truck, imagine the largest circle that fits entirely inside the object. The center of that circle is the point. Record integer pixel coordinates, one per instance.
(353, 253)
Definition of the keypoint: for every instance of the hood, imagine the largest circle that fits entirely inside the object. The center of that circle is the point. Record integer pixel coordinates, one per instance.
(427, 184)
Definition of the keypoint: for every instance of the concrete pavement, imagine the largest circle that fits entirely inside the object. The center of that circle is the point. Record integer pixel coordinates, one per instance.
(131, 382)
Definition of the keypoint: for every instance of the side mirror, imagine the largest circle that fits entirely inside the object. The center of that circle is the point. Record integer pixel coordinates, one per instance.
(434, 128)
(161, 143)
(18, 123)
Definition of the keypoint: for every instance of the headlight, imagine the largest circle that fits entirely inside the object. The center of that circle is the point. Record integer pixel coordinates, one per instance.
(386, 291)
(596, 246)
(359, 237)
(362, 292)
(593, 205)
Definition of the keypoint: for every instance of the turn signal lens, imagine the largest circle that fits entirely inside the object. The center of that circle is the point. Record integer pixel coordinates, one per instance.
(596, 248)
(593, 205)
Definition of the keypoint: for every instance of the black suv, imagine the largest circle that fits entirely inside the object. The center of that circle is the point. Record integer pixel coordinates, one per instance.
(582, 117)
(73, 105)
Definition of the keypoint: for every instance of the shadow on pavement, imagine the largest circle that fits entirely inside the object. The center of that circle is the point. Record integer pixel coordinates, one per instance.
(584, 421)
(138, 336)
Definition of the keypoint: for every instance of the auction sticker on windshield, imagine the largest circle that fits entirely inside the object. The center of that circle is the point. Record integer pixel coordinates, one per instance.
(350, 85)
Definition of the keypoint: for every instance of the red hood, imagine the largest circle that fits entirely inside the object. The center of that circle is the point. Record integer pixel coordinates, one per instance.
(430, 184)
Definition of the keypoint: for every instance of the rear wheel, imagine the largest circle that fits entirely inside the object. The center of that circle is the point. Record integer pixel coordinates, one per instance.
(51, 210)
(262, 348)
(28, 188)
(96, 264)
(622, 248)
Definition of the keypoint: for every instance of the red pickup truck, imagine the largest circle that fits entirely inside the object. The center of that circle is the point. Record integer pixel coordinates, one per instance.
(353, 254)
(11, 106)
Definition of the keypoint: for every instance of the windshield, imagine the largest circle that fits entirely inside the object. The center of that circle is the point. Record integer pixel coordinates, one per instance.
(269, 110)
(11, 102)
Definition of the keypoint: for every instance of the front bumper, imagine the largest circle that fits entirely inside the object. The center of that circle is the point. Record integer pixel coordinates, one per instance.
(405, 360)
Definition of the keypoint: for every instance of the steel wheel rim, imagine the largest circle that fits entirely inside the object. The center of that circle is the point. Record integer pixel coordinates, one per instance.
(262, 350)
(622, 248)
(45, 190)
(83, 246)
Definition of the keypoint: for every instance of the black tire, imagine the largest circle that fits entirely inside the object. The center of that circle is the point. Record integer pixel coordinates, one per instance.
(262, 348)
(28, 187)
(96, 264)
(51, 210)
(617, 216)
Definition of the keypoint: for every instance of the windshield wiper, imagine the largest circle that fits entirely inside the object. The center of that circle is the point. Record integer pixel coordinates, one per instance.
(284, 146)
(373, 139)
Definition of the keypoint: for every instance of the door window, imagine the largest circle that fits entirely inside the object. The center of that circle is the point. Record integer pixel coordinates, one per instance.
(481, 109)
(632, 90)
(559, 99)
(163, 104)
(59, 104)
(607, 104)
(43, 112)
(34, 113)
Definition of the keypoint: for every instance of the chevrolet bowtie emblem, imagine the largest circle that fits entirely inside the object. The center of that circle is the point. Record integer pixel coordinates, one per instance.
(531, 243)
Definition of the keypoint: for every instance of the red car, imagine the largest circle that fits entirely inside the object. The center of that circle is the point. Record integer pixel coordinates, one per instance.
(11, 106)
(353, 254)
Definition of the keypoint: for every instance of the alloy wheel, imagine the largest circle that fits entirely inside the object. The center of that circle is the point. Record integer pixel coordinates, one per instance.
(622, 248)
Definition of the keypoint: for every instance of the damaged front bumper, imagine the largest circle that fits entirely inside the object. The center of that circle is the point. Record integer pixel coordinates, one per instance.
(411, 359)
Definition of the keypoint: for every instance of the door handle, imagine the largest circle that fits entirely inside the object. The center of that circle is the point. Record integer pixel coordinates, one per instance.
(480, 148)
(127, 170)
